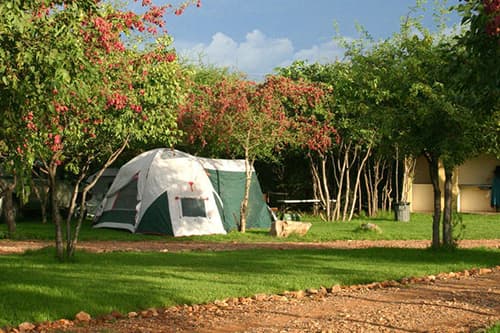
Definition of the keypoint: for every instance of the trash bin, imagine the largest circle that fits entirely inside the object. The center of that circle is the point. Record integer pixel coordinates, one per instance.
(402, 211)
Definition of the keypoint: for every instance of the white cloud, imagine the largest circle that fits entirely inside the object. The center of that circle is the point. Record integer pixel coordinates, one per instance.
(257, 55)
(323, 53)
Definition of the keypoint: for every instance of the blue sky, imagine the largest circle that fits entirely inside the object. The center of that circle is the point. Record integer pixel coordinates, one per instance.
(255, 36)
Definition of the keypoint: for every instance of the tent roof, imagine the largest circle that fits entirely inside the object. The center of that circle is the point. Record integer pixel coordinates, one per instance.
(139, 165)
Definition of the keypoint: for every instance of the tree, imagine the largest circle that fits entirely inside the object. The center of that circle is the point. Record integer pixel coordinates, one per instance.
(349, 112)
(243, 119)
(78, 96)
(480, 73)
(432, 118)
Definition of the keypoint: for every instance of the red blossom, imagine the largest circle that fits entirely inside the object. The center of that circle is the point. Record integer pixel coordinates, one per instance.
(492, 9)
(136, 108)
(117, 100)
(170, 57)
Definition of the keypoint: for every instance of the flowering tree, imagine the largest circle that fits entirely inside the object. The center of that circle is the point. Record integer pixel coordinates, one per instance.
(75, 95)
(244, 119)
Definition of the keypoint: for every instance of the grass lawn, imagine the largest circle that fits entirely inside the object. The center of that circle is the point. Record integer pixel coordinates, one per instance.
(35, 287)
(494, 329)
(420, 227)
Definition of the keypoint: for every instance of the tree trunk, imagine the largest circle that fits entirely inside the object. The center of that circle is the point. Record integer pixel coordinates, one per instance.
(112, 158)
(341, 167)
(408, 175)
(396, 179)
(358, 179)
(368, 187)
(71, 241)
(436, 218)
(448, 209)
(326, 190)
(378, 169)
(56, 215)
(244, 203)
(248, 182)
(9, 209)
(347, 199)
(41, 194)
(316, 193)
(317, 181)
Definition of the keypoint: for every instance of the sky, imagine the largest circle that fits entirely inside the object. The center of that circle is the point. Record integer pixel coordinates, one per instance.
(256, 36)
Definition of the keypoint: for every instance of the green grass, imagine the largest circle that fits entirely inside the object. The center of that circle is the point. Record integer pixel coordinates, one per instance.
(36, 288)
(420, 227)
(493, 329)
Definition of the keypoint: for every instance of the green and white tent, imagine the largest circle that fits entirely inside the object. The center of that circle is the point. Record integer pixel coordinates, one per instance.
(165, 191)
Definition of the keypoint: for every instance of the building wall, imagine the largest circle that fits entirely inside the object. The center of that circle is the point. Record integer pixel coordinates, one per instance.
(475, 177)
(472, 185)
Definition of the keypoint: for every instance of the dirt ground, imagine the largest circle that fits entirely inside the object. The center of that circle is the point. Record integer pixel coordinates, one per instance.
(449, 302)
(7, 246)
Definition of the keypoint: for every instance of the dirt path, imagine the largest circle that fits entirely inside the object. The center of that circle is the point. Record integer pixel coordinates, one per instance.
(7, 246)
(456, 302)
(462, 304)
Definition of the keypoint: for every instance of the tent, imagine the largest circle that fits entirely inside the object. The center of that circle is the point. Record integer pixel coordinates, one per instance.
(167, 191)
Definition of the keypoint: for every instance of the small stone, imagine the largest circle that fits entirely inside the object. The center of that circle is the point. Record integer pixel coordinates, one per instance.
(298, 294)
(26, 327)
(245, 300)
(259, 297)
(389, 284)
(485, 271)
(432, 278)
(83, 317)
(132, 314)
(64, 322)
(145, 314)
(278, 298)
(232, 301)
(312, 291)
(220, 303)
(154, 313)
(335, 288)
(116, 315)
(373, 285)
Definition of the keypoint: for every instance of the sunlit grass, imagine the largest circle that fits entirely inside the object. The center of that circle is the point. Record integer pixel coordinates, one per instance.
(35, 287)
(419, 228)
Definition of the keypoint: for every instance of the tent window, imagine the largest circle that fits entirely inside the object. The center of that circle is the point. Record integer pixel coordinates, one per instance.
(127, 197)
(192, 207)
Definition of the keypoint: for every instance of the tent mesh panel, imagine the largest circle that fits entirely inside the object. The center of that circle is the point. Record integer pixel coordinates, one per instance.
(118, 216)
